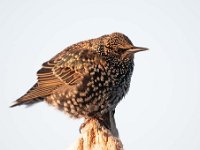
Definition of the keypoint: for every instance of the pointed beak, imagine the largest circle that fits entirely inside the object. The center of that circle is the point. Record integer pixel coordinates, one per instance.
(136, 49)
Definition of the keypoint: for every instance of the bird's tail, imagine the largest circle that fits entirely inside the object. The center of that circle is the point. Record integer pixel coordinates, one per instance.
(26, 102)
(34, 95)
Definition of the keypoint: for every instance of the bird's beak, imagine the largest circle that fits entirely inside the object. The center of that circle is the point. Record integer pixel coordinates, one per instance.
(136, 49)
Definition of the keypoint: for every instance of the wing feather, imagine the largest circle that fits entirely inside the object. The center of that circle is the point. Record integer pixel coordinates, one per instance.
(57, 72)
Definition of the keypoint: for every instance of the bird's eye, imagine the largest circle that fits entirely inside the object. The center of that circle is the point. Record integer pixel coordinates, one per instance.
(121, 50)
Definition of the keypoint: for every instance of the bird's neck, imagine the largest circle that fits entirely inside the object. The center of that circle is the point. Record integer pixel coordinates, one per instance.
(118, 68)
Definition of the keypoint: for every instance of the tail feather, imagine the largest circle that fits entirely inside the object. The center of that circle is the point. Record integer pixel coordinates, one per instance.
(27, 102)
(34, 95)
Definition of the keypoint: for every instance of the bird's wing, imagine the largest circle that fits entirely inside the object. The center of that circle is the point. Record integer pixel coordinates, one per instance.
(57, 74)
(47, 82)
(69, 70)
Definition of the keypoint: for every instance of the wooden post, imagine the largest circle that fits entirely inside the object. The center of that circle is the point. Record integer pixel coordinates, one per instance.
(99, 134)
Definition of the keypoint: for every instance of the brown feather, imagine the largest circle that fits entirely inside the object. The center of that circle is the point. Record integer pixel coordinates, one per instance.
(51, 76)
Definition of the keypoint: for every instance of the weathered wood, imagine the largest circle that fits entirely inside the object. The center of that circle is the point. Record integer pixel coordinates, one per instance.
(99, 135)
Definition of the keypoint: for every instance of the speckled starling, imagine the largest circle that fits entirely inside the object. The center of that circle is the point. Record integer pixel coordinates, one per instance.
(86, 79)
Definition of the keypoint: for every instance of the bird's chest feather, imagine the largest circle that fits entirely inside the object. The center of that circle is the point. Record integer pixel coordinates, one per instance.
(120, 74)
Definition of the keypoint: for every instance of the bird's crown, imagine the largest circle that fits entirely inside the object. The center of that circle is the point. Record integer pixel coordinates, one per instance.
(117, 41)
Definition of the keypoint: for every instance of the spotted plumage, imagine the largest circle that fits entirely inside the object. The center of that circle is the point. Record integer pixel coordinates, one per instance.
(86, 79)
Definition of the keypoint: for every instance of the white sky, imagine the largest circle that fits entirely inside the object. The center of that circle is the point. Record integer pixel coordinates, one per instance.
(161, 110)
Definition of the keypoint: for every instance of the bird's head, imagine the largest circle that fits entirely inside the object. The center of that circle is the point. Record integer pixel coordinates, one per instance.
(120, 45)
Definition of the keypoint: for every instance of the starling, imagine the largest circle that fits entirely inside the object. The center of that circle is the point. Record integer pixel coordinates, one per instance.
(86, 79)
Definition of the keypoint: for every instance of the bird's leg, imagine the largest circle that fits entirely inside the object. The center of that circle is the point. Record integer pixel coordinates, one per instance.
(107, 120)
(104, 122)
(113, 126)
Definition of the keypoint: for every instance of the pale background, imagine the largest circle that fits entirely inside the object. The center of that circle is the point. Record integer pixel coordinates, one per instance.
(162, 108)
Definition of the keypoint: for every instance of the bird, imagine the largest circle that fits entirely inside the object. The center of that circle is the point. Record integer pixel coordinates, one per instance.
(86, 79)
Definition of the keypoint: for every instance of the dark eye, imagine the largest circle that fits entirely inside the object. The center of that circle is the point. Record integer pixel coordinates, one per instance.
(121, 50)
